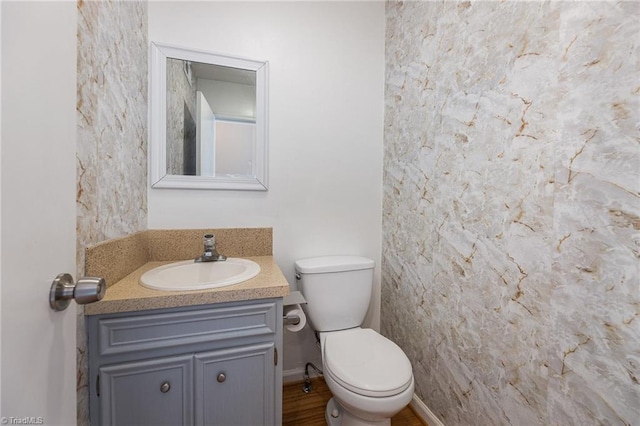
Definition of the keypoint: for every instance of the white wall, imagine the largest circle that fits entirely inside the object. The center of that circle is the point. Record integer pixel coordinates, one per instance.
(0, 221)
(326, 124)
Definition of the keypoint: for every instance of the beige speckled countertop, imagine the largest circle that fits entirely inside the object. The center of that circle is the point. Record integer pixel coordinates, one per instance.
(128, 295)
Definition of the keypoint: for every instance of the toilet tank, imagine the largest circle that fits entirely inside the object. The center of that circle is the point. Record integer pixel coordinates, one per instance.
(337, 289)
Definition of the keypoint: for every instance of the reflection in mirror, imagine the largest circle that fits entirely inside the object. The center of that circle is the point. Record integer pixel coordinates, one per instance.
(221, 138)
(209, 119)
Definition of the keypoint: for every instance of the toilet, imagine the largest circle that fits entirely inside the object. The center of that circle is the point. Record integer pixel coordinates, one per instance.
(369, 376)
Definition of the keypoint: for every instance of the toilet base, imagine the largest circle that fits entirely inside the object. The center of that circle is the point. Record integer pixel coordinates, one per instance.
(335, 415)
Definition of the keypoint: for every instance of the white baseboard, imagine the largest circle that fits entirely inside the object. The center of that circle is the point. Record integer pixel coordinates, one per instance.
(293, 375)
(422, 411)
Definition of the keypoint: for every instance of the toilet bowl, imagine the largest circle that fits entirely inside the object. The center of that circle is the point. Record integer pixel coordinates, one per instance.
(369, 376)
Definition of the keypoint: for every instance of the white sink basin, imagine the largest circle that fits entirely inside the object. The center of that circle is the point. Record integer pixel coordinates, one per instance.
(189, 275)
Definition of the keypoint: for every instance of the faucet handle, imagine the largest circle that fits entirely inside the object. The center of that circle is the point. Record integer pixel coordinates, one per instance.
(209, 242)
(210, 252)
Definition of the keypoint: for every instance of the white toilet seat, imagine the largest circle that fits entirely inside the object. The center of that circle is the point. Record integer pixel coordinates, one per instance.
(366, 363)
(371, 409)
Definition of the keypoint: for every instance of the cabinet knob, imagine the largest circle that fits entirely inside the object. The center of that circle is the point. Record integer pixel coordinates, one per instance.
(221, 377)
(164, 388)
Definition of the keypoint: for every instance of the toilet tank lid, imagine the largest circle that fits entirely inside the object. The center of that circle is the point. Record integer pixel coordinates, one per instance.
(319, 265)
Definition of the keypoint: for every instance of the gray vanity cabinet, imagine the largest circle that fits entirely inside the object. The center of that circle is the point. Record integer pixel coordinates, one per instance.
(200, 365)
(231, 383)
(162, 384)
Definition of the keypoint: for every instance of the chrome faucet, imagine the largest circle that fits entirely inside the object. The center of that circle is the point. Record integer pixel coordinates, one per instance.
(210, 252)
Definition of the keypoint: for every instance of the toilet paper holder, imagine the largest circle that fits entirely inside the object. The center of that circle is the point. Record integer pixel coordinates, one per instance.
(293, 298)
(291, 319)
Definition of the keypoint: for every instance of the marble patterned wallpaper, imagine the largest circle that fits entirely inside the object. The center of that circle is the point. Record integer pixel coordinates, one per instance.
(181, 94)
(112, 135)
(511, 212)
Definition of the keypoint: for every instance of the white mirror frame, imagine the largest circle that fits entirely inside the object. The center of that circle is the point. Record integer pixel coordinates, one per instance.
(158, 121)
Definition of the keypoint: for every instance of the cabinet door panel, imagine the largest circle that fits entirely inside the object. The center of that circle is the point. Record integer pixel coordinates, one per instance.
(160, 330)
(151, 392)
(235, 386)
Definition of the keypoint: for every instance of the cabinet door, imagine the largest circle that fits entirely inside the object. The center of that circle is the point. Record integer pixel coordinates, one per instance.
(236, 386)
(151, 392)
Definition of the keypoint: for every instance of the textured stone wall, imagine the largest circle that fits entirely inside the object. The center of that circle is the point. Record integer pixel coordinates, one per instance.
(180, 94)
(511, 209)
(112, 135)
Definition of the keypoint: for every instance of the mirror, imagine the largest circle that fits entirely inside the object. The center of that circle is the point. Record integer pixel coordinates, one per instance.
(208, 120)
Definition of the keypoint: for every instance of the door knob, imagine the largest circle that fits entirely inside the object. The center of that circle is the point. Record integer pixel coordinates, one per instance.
(86, 290)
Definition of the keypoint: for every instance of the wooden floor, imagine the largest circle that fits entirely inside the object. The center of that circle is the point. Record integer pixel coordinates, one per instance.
(307, 409)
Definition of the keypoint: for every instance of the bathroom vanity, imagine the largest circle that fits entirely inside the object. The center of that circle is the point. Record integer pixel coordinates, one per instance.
(214, 364)
(200, 357)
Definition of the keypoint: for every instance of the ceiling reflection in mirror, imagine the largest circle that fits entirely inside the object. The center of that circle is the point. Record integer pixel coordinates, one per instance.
(211, 119)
